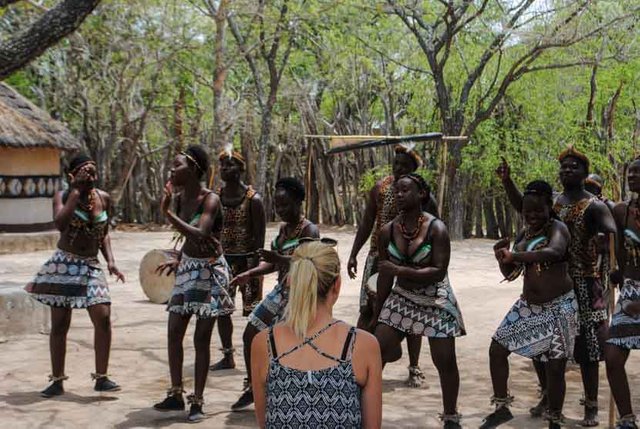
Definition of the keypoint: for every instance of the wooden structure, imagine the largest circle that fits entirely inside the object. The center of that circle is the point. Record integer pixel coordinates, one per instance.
(31, 143)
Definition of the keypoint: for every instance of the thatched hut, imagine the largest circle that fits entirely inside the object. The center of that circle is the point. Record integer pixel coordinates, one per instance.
(30, 147)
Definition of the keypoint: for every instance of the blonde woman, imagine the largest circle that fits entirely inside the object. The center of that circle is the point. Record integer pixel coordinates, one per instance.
(312, 369)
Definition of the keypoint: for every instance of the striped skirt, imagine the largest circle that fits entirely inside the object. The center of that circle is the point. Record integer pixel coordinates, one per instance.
(624, 330)
(271, 309)
(71, 281)
(202, 288)
(542, 332)
(431, 311)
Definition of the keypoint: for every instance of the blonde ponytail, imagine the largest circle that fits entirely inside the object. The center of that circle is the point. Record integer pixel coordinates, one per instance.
(314, 269)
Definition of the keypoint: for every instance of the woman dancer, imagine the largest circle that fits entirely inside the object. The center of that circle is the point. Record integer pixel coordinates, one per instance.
(587, 219)
(624, 332)
(543, 323)
(414, 249)
(202, 275)
(313, 370)
(72, 277)
(288, 200)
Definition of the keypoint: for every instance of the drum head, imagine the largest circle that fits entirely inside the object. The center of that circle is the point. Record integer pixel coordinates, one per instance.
(372, 283)
(156, 287)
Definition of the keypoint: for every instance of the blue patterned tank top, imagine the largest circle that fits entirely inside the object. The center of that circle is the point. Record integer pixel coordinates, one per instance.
(327, 398)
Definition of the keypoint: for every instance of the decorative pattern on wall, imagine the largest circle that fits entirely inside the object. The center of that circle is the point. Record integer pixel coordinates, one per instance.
(29, 186)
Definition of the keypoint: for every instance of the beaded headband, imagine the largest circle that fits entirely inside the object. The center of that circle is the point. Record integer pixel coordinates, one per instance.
(192, 159)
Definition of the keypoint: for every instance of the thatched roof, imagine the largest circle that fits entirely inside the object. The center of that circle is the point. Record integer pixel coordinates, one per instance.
(22, 124)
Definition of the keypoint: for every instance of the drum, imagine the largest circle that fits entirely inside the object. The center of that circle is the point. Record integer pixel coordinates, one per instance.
(372, 286)
(156, 286)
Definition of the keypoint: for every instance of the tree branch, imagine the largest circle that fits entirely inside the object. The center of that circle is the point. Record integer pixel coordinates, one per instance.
(54, 25)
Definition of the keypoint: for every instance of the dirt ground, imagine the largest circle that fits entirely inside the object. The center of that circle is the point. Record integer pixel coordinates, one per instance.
(139, 357)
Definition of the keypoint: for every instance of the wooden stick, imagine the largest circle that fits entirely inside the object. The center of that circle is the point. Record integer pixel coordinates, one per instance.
(611, 305)
(340, 144)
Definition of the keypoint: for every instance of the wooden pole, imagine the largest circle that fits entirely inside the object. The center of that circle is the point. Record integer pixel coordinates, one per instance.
(611, 305)
(443, 178)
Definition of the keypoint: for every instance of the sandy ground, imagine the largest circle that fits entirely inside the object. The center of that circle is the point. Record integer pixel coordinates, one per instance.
(139, 358)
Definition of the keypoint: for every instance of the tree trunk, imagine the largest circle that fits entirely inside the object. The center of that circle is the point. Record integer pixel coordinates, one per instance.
(477, 202)
(263, 151)
(467, 228)
(508, 217)
(500, 217)
(489, 215)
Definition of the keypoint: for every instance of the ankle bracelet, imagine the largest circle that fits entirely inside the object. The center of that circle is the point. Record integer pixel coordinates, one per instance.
(455, 418)
(195, 400)
(502, 402)
(55, 379)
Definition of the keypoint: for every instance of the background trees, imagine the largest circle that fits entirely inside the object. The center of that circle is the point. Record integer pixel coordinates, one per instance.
(522, 78)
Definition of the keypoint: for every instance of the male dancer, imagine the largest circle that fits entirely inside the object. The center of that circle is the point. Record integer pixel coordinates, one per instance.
(242, 235)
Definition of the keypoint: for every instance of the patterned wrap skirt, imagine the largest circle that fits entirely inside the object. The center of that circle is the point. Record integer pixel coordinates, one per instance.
(625, 329)
(370, 268)
(541, 331)
(593, 315)
(271, 309)
(70, 281)
(252, 291)
(431, 311)
(201, 288)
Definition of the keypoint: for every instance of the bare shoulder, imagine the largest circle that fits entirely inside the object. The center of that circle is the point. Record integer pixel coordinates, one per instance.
(260, 341)
(439, 228)
(620, 209)
(104, 195)
(366, 344)
(311, 230)
(560, 226)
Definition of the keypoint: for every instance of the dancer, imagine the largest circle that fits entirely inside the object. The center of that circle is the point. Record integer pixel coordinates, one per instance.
(594, 184)
(72, 277)
(624, 332)
(288, 198)
(312, 369)
(414, 249)
(242, 235)
(587, 218)
(382, 208)
(202, 275)
(543, 323)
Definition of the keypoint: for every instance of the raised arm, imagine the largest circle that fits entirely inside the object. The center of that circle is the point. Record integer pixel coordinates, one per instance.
(364, 230)
(515, 196)
(63, 211)
(203, 230)
(440, 251)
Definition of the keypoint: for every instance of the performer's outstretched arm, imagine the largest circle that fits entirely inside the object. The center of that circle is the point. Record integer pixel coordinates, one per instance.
(514, 195)
(364, 231)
